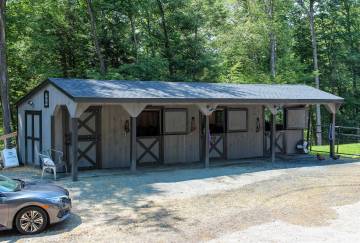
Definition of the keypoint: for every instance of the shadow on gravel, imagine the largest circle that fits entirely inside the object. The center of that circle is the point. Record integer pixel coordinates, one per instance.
(120, 199)
(66, 226)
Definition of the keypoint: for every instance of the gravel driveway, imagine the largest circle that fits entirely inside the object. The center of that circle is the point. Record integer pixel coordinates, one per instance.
(297, 201)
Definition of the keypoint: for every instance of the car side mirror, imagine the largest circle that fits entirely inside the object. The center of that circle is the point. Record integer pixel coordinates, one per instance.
(21, 182)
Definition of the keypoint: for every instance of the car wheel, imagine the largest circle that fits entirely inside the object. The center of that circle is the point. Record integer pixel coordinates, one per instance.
(31, 220)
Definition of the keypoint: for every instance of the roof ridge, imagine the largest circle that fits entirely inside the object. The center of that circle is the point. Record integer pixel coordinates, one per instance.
(185, 82)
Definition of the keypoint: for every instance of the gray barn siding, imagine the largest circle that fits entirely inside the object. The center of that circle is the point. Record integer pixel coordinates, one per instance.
(292, 137)
(177, 148)
(247, 144)
(183, 148)
(296, 123)
(115, 143)
(56, 98)
(58, 140)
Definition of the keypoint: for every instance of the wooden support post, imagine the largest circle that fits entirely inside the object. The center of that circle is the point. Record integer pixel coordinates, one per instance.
(273, 137)
(74, 153)
(52, 121)
(332, 137)
(133, 144)
(207, 141)
(206, 110)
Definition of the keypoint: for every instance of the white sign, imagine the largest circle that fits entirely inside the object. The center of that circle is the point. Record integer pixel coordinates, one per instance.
(9, 158)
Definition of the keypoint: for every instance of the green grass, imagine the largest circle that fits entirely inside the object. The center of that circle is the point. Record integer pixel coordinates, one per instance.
(347, 150)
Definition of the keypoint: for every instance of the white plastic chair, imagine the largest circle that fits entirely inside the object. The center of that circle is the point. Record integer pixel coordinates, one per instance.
(51, 164)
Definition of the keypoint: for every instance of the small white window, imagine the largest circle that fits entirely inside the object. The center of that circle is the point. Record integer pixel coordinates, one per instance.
(175, 121)
(237, 120)
(296, 118)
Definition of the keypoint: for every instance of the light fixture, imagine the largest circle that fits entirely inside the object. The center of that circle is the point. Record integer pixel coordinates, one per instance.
(257, 124)
(193, 124)
(126, 127)
(46, 98)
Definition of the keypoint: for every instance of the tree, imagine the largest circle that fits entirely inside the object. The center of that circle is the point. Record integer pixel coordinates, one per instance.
(353, 57)
(168, 51)
(243, 41)
(310, 13)
(270, 11)
(4, 86)
(95, 37)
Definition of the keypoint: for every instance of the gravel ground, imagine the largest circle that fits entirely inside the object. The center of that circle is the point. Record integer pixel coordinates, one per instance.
(299, 201)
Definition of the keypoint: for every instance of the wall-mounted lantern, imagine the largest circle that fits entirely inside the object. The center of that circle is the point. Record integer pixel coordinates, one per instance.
(46, 99)
(257, 124)
(193, 124)
(126, 127)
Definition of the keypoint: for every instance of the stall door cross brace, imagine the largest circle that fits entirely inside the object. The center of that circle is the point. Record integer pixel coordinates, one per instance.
(83, 123)
(213, 144)
(148, 150)
(278, 145)
(83, 153)
(92, 136)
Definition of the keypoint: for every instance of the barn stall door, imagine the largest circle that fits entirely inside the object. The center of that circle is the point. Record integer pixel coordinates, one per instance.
(148, 137)
(89, 150)
(217, 134)
(279, 135)
(33, 136)
(279, 142)
(216, 150)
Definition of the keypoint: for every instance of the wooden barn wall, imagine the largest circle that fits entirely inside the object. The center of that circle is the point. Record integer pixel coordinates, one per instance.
(56, 98)
(296, 122)
(58, 140)
(183, 148)
(292, 137)
(250, 143)
(115, 142)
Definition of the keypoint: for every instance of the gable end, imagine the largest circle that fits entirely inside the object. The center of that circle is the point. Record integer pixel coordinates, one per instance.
(32, 92)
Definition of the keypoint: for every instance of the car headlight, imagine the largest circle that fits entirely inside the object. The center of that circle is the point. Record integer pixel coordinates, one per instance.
(57, 200)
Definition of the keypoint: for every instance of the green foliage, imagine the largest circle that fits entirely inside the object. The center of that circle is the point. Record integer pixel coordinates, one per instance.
(346, 150)
(208, 40)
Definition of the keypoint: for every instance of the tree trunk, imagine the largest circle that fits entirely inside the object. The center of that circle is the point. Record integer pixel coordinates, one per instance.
(270, 11)
(95, 37)
(4, 83)
(132, 23)
(316, 70)
(310, 13)
(68, 39)
(168, 52)
(273, 55)
(354, 70)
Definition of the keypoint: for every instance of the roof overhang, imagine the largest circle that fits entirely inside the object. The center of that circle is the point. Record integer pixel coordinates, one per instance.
(180, 100)
(212, 100)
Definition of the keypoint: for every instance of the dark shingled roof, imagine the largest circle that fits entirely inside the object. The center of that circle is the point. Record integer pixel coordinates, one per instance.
(87, 90)
(189, 91)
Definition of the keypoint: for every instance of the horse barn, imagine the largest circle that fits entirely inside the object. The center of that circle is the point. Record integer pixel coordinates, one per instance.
(108, 124)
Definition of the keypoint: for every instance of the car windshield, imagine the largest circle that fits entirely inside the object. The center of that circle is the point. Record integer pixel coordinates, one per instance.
(9, 185)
